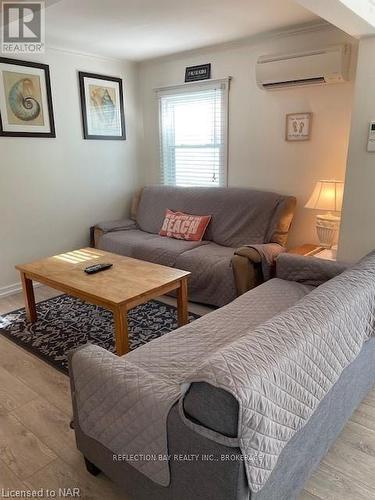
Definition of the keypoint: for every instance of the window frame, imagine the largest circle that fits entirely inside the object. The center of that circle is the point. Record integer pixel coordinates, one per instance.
(171, 90)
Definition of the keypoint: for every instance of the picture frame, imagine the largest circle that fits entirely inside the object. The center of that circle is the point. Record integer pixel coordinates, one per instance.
(26, 108)
(102, 107)
(298, 126)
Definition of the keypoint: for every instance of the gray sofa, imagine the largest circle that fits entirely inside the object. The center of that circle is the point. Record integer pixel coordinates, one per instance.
(205, 406)
(248, 230)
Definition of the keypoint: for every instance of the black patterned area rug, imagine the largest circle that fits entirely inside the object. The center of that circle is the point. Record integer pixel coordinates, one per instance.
(65, 323)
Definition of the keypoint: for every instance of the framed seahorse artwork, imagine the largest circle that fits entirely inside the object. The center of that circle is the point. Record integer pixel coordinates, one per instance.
(102, 105)
(26, 108)
(298, 126)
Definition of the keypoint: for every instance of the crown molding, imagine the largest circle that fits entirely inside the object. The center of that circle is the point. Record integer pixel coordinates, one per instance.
(49, 47)
(55, 48)
(295, 30)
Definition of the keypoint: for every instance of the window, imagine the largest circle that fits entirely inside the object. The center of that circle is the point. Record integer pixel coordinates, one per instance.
(193, 134)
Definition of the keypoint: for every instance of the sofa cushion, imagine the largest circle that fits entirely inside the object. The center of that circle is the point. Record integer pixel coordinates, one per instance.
(145, 246)
(239, 216)
(181, 350)
(124, 242)
(212, 279)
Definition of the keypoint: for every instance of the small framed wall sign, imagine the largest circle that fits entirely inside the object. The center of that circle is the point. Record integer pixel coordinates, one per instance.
(195, 73)
(25, 99)
(102, 105)
(298, 126)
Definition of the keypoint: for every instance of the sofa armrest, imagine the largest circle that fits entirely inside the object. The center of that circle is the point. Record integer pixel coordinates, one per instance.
(95, 361)
(116, 225)
(111, 226)
(212, 407)
(267, 252)
(307, 270)
(108, 391)
(253, 264)
(249, 253)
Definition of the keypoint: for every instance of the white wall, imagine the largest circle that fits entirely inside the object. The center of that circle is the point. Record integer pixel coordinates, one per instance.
(259, 157)
(358, 221)
(53, 190)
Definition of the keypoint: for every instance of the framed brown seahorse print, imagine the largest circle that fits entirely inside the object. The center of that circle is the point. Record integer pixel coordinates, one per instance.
(26, 108)
(102, 104)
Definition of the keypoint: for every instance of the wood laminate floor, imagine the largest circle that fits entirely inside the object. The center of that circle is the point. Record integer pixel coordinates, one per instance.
(37, 447)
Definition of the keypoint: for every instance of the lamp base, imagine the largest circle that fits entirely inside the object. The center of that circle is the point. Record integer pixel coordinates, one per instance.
(327, 226)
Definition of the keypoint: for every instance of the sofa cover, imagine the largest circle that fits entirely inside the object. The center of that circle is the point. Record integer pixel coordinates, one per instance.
(220, 270)
(330, 350)
(99, 376)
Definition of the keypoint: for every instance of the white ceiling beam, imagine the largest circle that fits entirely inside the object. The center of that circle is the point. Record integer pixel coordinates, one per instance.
(355, 17)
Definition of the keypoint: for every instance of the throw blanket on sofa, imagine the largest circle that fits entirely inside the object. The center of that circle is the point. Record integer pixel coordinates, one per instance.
(279, 372)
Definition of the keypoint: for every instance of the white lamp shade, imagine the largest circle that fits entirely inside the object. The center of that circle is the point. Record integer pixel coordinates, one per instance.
(327, 195)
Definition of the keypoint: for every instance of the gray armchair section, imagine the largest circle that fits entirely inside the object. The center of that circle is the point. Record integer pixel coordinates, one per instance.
(247, 231)
(307, 270)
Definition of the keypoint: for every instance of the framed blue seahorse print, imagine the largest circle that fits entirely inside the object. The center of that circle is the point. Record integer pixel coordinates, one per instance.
(26, 108)
(102, 105)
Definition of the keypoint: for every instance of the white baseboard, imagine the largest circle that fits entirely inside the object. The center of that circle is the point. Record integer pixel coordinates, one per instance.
(6, 291)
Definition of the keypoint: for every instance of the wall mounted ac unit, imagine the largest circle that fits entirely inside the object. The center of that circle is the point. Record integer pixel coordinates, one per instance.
(330, 65)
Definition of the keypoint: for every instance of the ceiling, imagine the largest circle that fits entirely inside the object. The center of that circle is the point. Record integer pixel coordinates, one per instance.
(144, 29)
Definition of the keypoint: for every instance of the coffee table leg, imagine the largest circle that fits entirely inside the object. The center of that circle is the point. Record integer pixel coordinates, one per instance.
(28, 293)
(120, 317)
(182, 303)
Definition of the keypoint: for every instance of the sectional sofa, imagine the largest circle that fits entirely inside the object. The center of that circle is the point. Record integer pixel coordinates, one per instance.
(272, 377)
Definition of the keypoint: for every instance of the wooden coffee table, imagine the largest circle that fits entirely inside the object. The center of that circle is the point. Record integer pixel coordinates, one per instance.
(128, 283)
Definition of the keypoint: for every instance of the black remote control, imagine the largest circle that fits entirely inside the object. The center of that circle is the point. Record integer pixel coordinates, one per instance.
(96, 268)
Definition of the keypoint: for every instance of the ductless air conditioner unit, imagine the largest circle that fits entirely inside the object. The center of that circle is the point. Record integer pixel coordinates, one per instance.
(330, 65)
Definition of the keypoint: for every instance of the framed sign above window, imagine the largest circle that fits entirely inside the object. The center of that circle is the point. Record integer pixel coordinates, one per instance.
(195, 73)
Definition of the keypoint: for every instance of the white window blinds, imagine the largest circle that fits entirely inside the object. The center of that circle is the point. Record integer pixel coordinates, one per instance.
(193, 134)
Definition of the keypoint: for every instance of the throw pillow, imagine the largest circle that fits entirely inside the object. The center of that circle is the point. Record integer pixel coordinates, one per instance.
(184, 226)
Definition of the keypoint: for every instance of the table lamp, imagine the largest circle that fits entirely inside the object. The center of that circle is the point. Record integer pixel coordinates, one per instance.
(327, 195)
